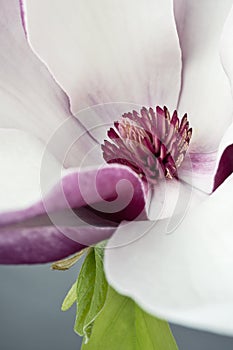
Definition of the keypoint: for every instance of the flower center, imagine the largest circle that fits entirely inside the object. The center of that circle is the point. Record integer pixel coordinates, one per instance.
(151, 143)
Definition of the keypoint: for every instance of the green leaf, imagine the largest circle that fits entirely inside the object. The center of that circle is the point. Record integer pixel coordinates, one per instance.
(123, 325)
(91, 292)
(70, 298)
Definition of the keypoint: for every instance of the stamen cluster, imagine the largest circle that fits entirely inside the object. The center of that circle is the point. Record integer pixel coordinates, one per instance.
(151, 143)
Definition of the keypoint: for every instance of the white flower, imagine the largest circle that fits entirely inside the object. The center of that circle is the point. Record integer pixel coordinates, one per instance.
(129, 52)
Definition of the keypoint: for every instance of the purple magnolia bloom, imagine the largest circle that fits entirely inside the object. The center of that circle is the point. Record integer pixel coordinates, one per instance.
(108, 58)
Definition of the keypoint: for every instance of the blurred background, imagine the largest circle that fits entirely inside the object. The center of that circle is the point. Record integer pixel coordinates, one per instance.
(30, 316)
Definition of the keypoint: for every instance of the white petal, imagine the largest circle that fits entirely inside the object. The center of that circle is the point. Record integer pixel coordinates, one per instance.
(205, 93)
(172, 198)
(199, 169)
(227, 48)
(184, 277)
(224, 164)
(30, 99)
(207, 171)
(20, 157)
(113, 51)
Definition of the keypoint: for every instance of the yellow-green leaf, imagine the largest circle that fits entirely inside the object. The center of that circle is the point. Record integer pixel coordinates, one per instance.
(70, 298)
(91, 292)
(122, 324)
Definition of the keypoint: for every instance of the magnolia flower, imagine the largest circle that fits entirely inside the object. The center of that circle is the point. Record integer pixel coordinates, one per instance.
(108, 58)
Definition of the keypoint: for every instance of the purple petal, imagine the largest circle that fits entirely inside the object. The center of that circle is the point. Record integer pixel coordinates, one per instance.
(109, 195)
(96, 188)
(225, 167)
(45, 244)
(225, 158)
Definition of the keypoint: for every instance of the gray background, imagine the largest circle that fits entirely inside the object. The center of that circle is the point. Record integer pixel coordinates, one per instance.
(30, 316)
